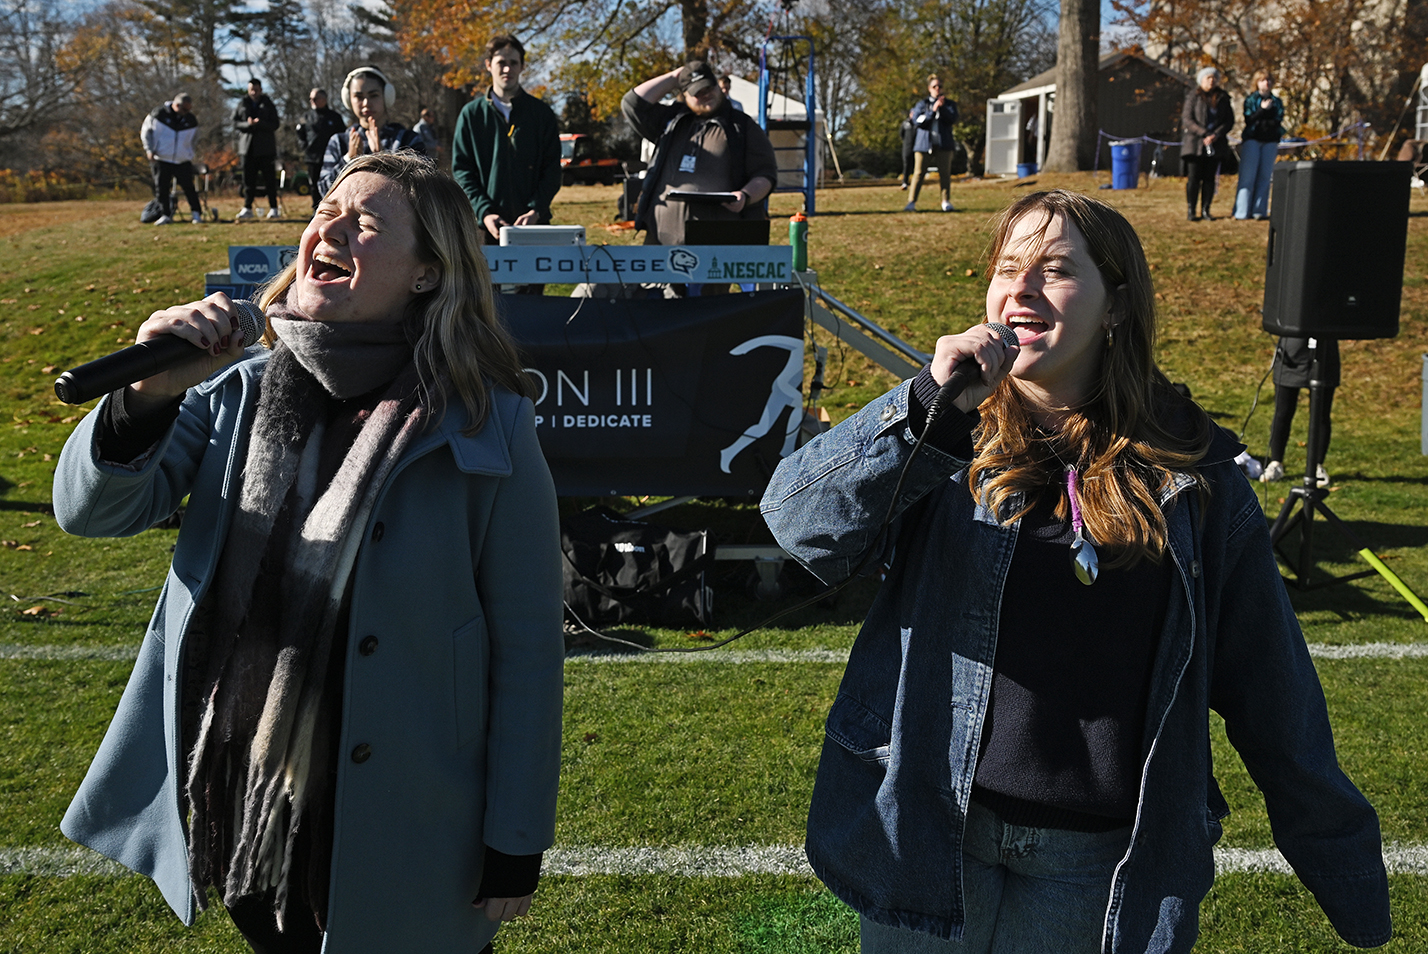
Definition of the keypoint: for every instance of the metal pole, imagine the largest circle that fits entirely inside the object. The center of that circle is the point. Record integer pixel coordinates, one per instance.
(1423, 438)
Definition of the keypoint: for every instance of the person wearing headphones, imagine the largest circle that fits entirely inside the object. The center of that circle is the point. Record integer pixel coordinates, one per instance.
(368, 95)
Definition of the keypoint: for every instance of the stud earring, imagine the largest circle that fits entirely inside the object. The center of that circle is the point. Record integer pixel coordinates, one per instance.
(418, 286)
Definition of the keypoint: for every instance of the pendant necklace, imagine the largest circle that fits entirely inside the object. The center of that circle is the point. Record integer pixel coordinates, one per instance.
(1083, 554)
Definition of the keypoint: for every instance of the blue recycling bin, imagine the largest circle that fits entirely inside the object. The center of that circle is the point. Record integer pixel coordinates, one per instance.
(1024, 169)
(1125, 164)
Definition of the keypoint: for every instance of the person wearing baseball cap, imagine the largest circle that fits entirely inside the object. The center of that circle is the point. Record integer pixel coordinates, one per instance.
(702, 144)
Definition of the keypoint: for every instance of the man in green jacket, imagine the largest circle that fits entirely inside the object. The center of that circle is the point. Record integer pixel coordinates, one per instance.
(506, 149)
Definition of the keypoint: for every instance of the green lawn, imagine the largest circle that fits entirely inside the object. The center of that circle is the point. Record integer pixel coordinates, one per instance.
(711, 753)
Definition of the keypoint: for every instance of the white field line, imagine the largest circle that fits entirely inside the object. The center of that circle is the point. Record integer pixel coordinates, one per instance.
(724, 861)
(725, 656)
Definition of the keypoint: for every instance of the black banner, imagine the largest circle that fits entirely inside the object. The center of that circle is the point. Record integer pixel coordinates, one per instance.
(694, 396)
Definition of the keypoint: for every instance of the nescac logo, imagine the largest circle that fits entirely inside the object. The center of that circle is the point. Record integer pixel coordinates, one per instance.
(251, 265)
(684, 261)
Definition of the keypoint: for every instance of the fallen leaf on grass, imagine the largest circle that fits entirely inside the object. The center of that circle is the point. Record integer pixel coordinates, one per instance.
(591, 737)
(969, 272)
(32, 523)
(40, 611)
(37, 331)
(49, 369)
(698, 635)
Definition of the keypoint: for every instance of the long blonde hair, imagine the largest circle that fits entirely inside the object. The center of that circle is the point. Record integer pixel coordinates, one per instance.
(458, 339)
(1123, 439)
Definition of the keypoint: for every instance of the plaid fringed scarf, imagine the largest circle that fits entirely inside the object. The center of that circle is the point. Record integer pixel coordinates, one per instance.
(255, 771)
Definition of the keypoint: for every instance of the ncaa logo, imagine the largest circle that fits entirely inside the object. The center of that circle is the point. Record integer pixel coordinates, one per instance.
(250, 266)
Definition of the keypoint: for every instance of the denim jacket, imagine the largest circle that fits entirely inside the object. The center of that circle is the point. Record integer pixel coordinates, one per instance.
(895, 777)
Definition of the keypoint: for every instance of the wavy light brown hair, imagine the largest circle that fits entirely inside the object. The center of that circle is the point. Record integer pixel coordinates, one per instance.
(459, 342)
(1130, 434)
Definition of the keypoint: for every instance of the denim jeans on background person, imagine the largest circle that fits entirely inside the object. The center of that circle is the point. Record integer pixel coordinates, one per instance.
(1256, 167)
(1027, 890)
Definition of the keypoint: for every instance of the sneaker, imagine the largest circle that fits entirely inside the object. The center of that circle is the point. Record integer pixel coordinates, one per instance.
(1274, 470)
(197, 218)
(1321, 477)
(910, 207)
(274, 214)
(902, 186)
(244, 215)
(163, 220)
(947, 207)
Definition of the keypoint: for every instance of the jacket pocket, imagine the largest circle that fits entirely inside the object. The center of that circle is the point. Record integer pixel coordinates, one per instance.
(468, 657)
(859, 730)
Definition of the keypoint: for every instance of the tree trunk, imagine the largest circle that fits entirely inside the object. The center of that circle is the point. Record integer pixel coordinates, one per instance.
(1073, 131)
(694, 18)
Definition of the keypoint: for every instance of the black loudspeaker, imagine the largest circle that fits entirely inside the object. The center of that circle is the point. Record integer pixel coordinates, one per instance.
(1337, 236)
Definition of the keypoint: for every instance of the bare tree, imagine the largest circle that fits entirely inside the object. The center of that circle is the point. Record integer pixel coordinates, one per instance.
(1074, 133)
(37, 80)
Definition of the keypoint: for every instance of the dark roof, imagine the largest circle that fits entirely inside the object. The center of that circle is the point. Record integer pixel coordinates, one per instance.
(1108, 61)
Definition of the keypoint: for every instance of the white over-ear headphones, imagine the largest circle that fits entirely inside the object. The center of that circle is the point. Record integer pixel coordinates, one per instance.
(389, 92)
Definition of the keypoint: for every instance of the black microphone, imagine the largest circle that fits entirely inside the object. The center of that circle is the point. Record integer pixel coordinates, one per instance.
(145, 359)
(966, 372)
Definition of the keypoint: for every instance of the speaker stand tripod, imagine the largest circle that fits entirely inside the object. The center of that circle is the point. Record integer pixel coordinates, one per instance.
(1309, 498)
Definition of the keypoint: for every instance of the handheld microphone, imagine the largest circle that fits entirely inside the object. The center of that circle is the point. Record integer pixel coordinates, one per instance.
(145, 359)
(966, 372)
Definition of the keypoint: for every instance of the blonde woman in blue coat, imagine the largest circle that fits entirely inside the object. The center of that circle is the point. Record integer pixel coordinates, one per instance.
(344, 721)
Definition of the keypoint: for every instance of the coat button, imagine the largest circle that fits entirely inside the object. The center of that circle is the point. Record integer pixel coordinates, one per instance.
(367, 646)
(362, 753)
(377, 532)
(888, 413)
(1195, 569)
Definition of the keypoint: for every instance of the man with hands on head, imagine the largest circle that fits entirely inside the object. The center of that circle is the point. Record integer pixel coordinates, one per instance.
(505, 153)
(368, 94)
(702, 144)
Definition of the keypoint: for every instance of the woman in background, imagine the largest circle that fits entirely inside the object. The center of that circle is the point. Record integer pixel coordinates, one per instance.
(1205, 123)
(1018, 758)
(1259, 147)
(345, 716)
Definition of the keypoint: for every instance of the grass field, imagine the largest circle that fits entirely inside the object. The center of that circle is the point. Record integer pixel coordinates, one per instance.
(685, 782)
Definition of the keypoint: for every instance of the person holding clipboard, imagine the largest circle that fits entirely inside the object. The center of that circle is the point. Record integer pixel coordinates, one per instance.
(711, 161)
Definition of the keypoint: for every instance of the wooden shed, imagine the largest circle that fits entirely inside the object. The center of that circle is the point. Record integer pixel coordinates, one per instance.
(1136, 97)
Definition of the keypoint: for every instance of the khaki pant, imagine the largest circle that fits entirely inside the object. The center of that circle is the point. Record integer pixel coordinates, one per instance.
(942, 159)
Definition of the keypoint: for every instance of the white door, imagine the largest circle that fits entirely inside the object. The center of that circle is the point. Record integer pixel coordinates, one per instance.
(1003, 135)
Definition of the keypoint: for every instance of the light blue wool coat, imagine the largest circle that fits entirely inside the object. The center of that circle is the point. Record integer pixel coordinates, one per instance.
(458, 578)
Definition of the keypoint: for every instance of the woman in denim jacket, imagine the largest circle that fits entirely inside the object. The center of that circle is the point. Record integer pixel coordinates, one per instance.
(1018, 758)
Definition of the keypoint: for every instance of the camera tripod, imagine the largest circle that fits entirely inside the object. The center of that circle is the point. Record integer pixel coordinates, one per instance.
(1309, 498)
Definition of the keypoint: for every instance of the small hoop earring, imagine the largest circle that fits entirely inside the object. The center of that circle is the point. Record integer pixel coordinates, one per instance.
(1110, 336)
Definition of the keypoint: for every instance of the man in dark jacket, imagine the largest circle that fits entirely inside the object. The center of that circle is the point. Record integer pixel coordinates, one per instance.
(702, 144)
(319, 125)
(256, 120)
(505, 152)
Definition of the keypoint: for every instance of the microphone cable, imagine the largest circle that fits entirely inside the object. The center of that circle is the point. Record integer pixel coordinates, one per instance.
(945, 396)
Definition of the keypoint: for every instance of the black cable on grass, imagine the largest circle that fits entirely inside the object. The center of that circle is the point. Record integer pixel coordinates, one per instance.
(878, 542)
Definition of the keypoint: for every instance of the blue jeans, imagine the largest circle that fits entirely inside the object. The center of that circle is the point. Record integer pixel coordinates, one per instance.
(1256, 167)
(1028, 891)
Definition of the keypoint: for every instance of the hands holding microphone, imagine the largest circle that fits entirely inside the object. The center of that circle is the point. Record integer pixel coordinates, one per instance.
(176, 349)
(969, 366)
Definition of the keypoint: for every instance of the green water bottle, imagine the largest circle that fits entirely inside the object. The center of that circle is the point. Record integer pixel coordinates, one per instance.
(798, 241)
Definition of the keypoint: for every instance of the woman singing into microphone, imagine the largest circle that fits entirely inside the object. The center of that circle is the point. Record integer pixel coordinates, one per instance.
(1018, 759)
(345, 715)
